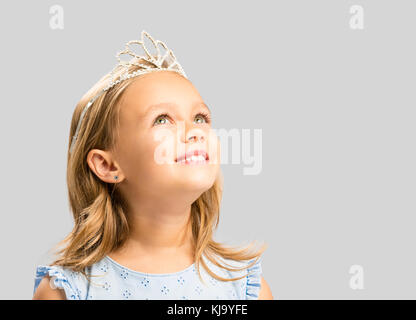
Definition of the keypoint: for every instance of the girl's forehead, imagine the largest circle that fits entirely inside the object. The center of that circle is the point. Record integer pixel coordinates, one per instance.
(145, 112)
(159, 90)
(175, 106)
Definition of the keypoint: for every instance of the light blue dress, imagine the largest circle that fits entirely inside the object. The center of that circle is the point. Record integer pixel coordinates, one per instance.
(111, 280)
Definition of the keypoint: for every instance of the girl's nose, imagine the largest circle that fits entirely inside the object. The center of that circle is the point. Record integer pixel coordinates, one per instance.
(196, 138)
(191, 133)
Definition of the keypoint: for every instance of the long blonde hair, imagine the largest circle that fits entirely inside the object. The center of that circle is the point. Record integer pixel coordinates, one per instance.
(99, 212)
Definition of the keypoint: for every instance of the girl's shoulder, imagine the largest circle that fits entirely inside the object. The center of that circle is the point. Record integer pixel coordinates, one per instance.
(73, 283)
(254, 279)
(252, 272)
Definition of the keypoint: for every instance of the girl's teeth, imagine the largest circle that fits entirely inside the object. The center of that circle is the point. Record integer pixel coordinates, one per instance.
(193, 159)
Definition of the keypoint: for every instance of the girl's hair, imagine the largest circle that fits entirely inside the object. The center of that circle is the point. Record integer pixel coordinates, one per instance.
(98, 208)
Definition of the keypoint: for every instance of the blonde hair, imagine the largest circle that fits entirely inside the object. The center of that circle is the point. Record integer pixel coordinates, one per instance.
(99, 212)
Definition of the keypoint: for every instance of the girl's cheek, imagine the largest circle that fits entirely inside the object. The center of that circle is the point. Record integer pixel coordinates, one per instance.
(162, 146)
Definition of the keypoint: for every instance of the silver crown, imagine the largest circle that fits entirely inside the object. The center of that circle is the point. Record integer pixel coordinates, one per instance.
(152, 55)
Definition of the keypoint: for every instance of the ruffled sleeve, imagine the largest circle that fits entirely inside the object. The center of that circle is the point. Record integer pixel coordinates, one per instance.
(60, 280)
(253, 280)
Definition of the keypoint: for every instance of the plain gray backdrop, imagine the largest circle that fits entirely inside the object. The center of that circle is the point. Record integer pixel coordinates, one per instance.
(336, 107)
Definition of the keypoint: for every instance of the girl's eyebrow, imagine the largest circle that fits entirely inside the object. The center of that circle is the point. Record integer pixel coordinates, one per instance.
(172, 104)
(204, 105)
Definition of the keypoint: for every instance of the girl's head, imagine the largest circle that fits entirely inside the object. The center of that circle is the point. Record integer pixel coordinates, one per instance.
(135, 131)
(160, 116)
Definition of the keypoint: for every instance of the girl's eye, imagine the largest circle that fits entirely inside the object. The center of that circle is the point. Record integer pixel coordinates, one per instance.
(161, 116)
(205, 116)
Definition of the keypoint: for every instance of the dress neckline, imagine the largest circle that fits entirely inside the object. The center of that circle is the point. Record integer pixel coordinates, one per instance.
(148, 274)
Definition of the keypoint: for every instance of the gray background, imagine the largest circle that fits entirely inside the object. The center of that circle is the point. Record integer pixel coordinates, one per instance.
(336, 107)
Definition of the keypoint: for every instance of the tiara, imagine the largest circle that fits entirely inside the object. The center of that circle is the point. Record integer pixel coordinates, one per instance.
(133, 51)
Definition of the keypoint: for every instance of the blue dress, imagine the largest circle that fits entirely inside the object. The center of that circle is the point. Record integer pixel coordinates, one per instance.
(110, 280)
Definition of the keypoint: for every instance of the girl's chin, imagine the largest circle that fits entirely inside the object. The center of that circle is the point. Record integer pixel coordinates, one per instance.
(195, 178)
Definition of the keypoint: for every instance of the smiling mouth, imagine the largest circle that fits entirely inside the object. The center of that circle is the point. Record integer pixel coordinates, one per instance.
(193, 157)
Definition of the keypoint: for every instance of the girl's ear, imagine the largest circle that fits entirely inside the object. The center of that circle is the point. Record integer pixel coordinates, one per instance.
(104, 167)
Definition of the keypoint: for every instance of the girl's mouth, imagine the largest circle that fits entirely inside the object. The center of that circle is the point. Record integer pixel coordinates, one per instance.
(193, 157)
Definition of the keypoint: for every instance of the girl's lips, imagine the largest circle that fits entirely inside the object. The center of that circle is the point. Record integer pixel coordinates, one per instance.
(188, 155)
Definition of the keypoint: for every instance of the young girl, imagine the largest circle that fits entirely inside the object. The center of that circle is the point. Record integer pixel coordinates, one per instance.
(145, 186)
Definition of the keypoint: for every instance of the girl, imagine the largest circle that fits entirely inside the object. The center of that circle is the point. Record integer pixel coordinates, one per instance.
(145, 185)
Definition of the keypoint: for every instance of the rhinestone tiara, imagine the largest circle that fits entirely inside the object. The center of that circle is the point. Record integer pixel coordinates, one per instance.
(135, 51)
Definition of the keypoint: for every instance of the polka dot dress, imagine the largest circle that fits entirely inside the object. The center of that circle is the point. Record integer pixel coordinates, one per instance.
(111, 280)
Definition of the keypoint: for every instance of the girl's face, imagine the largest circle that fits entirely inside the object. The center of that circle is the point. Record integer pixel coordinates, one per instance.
(159, 112)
